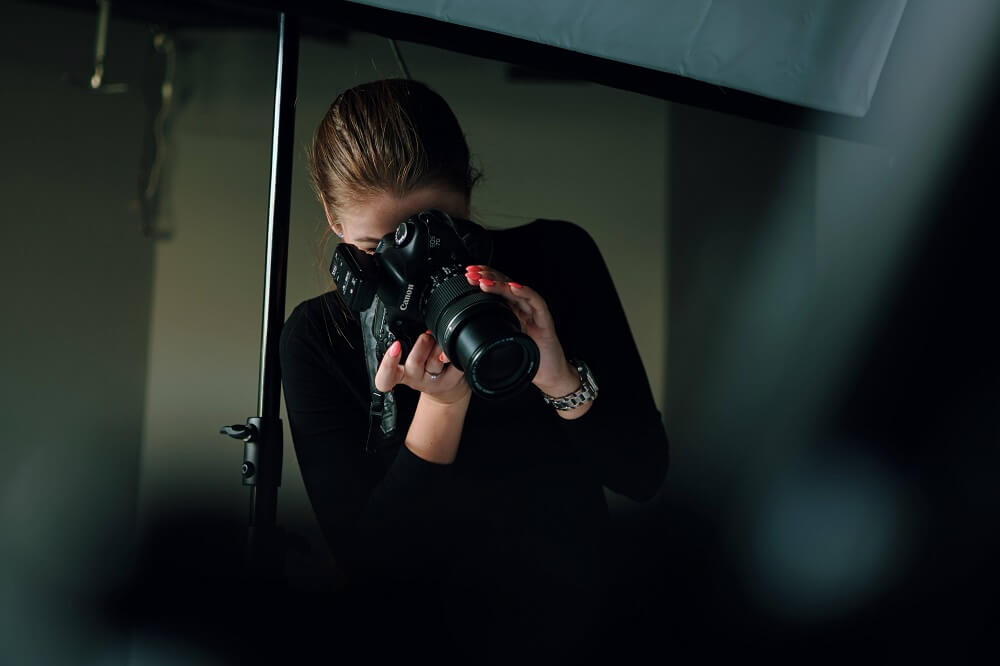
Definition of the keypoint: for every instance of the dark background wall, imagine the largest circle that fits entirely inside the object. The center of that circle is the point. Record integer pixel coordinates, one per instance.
(833, 386)
(825, 504)
(815, 314)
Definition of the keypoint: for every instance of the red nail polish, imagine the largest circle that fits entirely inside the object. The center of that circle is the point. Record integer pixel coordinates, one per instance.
(515, 285)
(428, 332)
(472, 274)
(395, 348)
(472, 269)
(488, 283)
(442, 357)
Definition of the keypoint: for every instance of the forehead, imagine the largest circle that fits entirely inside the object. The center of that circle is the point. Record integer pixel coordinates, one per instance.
(381, 214)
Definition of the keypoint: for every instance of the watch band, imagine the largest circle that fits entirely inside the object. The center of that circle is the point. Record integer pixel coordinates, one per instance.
(584, 394)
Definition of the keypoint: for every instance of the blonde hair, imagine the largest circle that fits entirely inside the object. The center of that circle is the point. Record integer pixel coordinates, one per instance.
(392, 136)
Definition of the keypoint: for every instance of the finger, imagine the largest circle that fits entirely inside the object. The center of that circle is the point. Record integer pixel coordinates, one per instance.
(477, 272)
(434, 363)
(500, 288)
(474, 274)
(519, 306)
(521, 309)
(417, 358)
(494, 286)
(390, 370)
(490, 280)
(446, 382)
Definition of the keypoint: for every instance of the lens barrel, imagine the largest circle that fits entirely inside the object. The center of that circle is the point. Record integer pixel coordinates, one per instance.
(481, 337)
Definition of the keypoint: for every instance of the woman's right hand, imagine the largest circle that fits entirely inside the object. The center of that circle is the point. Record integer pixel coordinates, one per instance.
(426, 370)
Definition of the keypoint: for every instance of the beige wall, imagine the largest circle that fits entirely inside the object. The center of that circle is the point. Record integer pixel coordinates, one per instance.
(75, 280)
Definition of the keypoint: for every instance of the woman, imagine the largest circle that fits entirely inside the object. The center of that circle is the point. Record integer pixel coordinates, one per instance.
(483, 524)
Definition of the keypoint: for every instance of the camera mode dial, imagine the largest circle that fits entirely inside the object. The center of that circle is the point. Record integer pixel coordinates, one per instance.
(402, 234)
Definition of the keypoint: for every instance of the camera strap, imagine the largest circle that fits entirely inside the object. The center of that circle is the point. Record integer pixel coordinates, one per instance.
(375, 415)
(382, 411)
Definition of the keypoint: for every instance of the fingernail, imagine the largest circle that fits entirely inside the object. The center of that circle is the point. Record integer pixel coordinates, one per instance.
(473, 275)
(442, 357)
(395, 348)
(488, 283)
(515, 285)
(472, 269)
(428, 332)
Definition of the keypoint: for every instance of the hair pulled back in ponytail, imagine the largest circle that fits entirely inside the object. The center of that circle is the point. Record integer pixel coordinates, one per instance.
(389, 136)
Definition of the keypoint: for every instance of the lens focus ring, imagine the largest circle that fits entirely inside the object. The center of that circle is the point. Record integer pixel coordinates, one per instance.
(444, 295)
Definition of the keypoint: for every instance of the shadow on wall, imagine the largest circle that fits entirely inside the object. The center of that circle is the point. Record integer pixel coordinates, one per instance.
(821, 508)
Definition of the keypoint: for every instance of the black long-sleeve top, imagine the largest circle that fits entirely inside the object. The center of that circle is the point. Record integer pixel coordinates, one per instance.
(522, 506)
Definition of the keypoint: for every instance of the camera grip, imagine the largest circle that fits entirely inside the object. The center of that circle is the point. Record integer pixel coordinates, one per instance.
(353, 271)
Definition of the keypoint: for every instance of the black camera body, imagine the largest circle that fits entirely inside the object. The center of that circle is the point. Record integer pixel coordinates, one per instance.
(415, 281)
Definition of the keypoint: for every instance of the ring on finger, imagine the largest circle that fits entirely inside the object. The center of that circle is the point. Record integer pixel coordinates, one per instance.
(433, 375)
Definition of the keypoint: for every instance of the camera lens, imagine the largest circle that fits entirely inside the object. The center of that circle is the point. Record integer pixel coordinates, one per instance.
(500, 359)
(482, 337)
(497, 361)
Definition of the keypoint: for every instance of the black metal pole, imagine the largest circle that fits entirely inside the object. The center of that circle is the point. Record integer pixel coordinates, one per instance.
(264, 456)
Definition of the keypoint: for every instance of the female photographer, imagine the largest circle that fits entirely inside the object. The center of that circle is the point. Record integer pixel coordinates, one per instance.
(479, 531)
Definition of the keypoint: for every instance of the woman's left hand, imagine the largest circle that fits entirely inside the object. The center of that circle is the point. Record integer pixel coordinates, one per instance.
(555, 376)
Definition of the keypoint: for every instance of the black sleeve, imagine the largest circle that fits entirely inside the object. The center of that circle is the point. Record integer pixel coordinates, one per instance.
(376, 515)
(622, 435)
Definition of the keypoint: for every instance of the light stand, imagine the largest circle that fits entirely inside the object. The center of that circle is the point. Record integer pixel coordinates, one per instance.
(263, 434)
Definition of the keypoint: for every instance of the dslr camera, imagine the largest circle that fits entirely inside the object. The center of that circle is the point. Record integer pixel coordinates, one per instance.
(415, 281)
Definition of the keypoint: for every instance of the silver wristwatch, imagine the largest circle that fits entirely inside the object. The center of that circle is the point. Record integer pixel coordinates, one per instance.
(586, 392)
